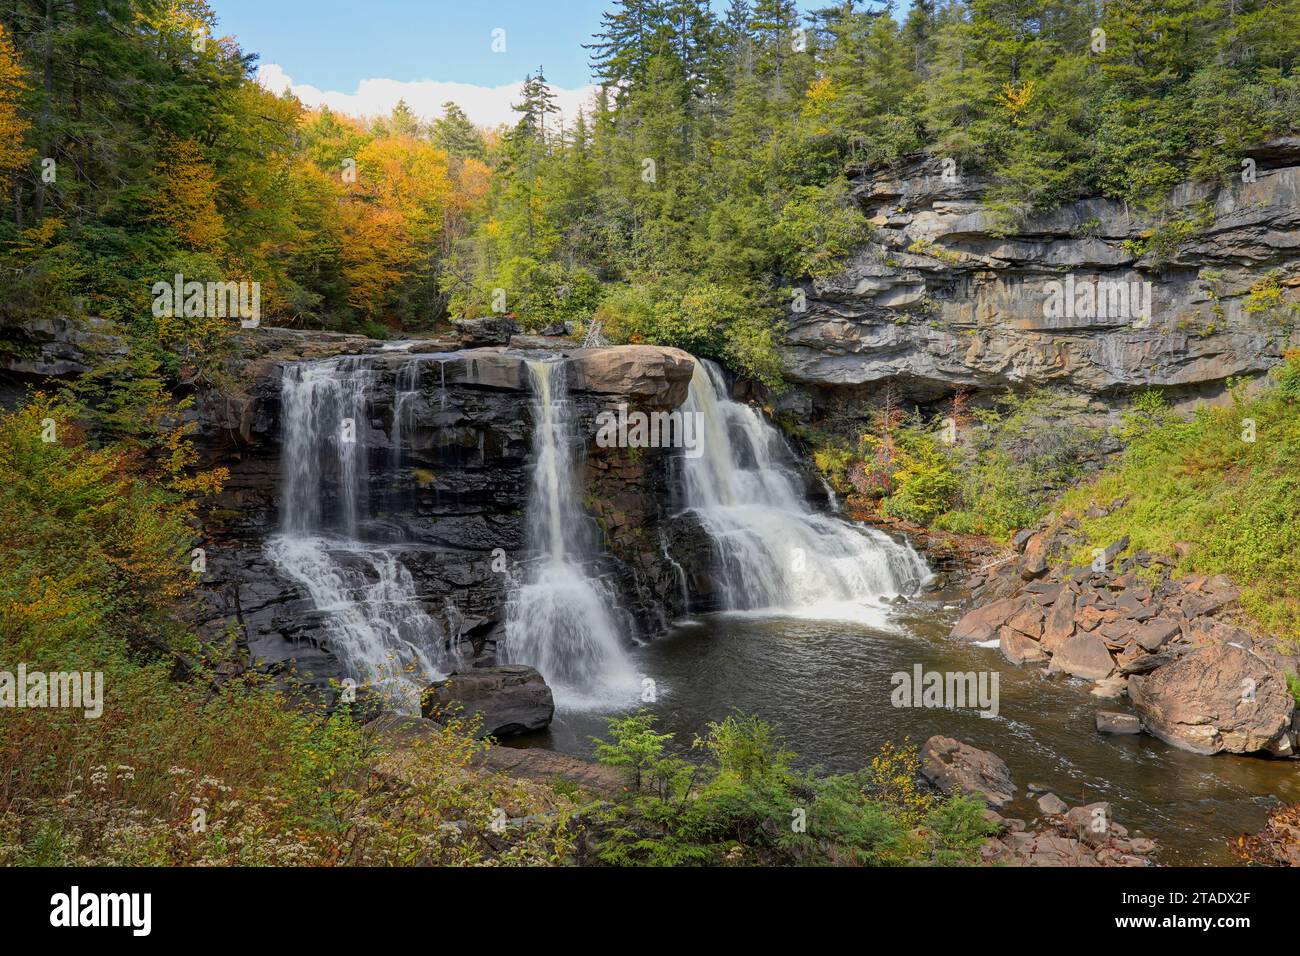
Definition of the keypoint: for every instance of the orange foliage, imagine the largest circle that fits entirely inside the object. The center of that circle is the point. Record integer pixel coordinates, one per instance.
(13, 125)
(396, 216)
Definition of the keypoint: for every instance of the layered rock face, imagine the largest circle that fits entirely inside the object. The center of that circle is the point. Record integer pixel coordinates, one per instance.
(446, 443)
(939, 299)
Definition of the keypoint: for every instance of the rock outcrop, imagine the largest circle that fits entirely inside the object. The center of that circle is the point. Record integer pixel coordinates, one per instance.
(398, 733)
(1217, 698)
(654, 378)
(490, 330)
(955, 767)
(509, 699)
(941, 298)
(447, 488)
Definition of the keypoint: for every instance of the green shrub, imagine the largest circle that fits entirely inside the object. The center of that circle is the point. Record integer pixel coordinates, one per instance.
(746, 805)
(727, 323)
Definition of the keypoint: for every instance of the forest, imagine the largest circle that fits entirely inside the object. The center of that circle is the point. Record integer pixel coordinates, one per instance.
(707, 180)
(291, 545)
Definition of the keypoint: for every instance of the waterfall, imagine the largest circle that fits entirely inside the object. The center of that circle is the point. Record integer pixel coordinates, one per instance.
(375, 622)
(560, 619)
(406, 386)
(772, 551)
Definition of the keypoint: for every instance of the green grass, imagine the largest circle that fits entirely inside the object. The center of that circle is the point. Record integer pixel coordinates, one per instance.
(1235, 502)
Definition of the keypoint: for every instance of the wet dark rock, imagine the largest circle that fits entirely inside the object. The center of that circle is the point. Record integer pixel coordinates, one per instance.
(510, 699)
(448, 496)
(486, 331)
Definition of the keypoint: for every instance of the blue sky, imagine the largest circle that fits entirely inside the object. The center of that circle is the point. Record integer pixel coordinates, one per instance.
(362, 56)
(334, 44)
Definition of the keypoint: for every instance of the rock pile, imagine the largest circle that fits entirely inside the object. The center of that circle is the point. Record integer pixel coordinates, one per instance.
(1060, 836)
(1195, 679)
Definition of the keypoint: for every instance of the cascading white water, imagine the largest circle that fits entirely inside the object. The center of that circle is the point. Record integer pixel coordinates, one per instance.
(560, 619)
(376, 623)
(406, 386)
(773, 552)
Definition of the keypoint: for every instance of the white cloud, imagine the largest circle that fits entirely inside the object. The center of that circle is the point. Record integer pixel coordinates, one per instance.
(486, 106)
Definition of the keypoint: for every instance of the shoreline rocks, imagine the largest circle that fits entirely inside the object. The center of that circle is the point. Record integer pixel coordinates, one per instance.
(954, 767)
(1195, 679)
(1216, 698)
(1062, 836)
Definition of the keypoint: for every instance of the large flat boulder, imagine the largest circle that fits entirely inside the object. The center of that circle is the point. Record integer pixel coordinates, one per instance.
(1086, 656)
(956, 767)
(656, 377)
(1215, 699)
(983, 623)
(488, 330)
(511, 699)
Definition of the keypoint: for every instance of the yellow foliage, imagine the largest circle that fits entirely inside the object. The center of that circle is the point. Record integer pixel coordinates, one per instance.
(187, 197)
(13, 125)
(820, 97)
(1017, 100)
(396, 214)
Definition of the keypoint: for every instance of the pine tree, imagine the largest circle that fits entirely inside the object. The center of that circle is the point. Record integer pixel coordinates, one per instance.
(632, 33)
(454, 133)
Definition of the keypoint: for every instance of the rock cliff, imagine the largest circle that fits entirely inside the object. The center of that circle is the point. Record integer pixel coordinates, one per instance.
(942, 298)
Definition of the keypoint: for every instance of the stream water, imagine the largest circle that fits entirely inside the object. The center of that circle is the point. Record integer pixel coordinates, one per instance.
(825, 685)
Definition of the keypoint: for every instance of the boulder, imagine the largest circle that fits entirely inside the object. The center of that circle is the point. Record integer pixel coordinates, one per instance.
(1153, 634)
(982, 624)
(512, 699)
(1028, 620)
(1086, 656)
(1018, 648)
(1093, 824)
(1060, 622)
(1214, 699)
(655, 377)
(489, 330)
(956, 767)
(1052, 805)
